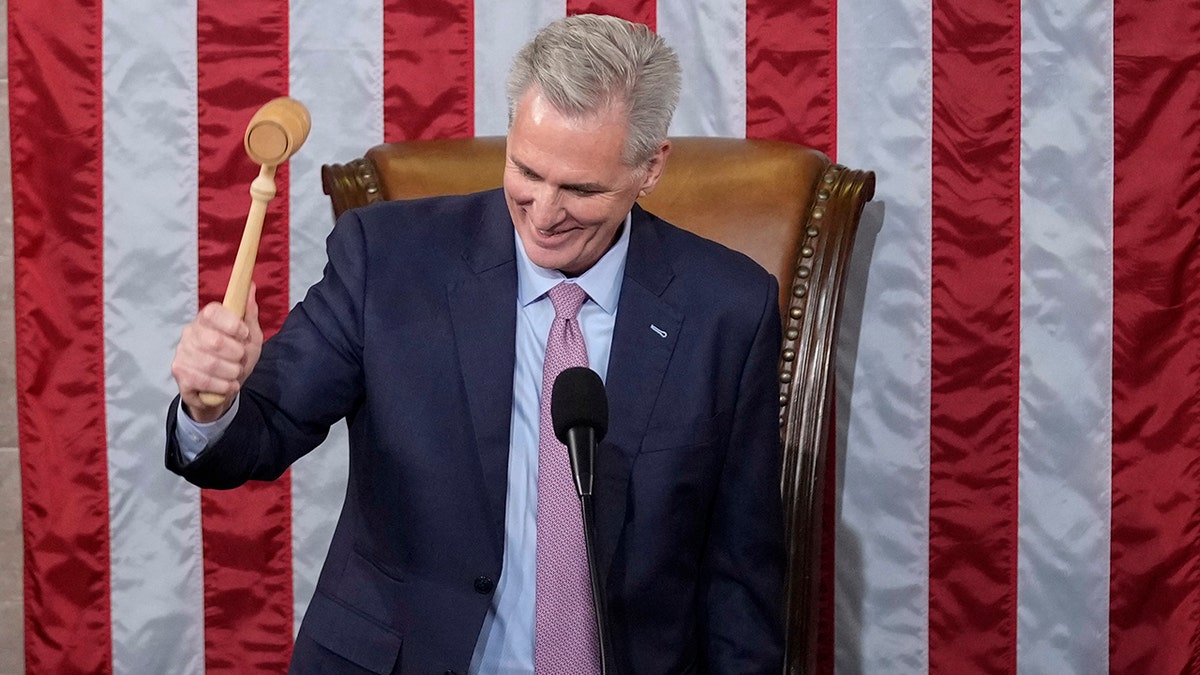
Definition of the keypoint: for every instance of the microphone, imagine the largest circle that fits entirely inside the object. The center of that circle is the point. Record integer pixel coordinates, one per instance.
(579, 414)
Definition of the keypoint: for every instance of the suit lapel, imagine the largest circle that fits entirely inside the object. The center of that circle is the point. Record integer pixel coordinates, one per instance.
(482, 305)
(643, 339)
(483, 312)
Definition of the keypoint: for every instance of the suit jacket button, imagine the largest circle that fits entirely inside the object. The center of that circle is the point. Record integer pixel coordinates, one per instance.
(484, 585)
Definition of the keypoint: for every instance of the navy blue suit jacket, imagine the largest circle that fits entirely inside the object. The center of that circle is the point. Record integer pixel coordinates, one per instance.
(410, 337)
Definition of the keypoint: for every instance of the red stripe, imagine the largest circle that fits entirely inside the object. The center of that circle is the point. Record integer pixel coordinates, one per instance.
(56, 106)
(975, 337)
(428, 69)
(791, 72)
(1155, 564)
(242, 62)
(638, 11)
(791, 95)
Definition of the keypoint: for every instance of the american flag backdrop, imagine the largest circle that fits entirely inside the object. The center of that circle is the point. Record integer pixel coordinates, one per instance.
(1018, 458)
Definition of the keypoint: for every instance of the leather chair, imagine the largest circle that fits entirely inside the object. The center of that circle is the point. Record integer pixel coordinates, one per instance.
(786, 206)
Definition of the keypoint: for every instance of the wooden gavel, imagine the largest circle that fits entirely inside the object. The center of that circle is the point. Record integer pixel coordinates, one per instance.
(273, 135)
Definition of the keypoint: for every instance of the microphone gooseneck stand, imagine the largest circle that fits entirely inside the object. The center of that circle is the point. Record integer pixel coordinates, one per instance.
(580, 438)
(585, 503)
(579, 411)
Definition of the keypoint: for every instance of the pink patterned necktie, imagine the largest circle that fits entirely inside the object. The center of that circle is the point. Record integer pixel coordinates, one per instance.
(565, 630)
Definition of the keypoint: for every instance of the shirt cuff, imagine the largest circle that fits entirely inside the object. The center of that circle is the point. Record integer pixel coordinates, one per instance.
(193, 437)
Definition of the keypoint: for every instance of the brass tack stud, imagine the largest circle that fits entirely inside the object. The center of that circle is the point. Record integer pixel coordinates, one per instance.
(807, 251)
(785, 377)
(818, 213)
(812, 232)
(829, 178)
(804, 273)
(789, 355)
(792, 333)
(800, 290)
(782, 400)
(823, 195)
(796, 312)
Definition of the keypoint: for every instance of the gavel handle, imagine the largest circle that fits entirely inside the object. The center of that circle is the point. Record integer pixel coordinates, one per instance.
(237, 293)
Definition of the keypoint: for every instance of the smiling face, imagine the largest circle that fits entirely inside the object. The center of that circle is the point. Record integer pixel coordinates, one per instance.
(567, 189)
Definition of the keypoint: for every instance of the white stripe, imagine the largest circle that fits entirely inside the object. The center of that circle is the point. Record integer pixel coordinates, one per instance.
(1066, 337)
(501, 28)
(710, 38)
(882, 549)
(150, 205)
(336, 70)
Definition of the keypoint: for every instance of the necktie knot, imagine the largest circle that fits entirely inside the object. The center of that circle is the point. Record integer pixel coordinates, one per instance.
(567, 298)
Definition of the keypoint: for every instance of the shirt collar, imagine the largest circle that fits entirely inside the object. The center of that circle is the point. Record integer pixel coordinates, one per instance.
(602, 282)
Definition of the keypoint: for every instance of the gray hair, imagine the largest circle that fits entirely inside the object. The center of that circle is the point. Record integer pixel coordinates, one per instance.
(585, 63)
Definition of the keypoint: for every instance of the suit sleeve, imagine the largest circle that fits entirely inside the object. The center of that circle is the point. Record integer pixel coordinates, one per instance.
(743, 579)
(309, 376)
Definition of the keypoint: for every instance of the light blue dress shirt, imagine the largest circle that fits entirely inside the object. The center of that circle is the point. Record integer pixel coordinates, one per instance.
(505, 645)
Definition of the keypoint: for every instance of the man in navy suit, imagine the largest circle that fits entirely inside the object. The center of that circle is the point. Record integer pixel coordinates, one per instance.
(427, 332)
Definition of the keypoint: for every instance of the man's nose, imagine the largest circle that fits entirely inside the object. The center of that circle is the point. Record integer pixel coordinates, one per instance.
(546, 209)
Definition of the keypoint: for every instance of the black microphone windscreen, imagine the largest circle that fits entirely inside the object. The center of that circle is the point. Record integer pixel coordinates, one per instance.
(578, 400)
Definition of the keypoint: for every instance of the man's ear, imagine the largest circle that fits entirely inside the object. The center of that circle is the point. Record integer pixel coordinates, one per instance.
(654, 168)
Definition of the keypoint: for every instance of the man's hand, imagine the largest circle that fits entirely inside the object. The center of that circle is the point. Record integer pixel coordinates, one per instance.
(216, 354)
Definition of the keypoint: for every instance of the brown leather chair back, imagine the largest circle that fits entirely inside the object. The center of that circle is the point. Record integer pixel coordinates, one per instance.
(786, 206)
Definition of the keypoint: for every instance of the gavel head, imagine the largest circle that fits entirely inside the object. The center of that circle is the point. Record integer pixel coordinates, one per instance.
(277, 131)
